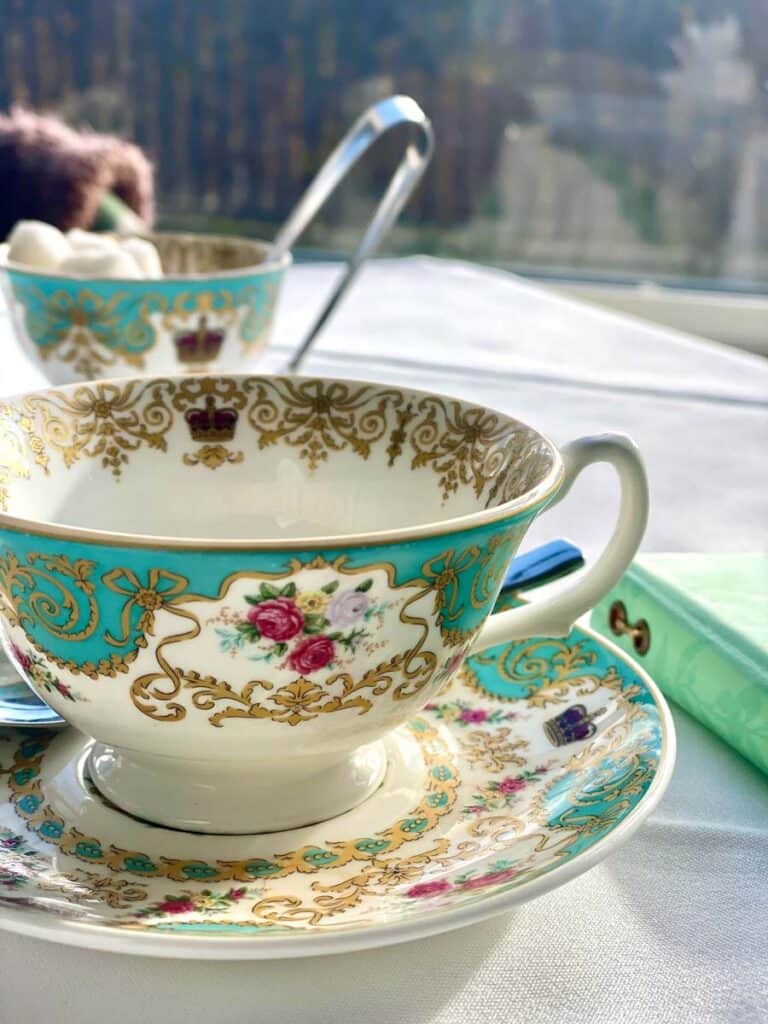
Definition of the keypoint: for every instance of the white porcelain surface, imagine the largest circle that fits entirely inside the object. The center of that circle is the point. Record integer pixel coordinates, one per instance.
(486, 802)
(237, 797)
(299, 604)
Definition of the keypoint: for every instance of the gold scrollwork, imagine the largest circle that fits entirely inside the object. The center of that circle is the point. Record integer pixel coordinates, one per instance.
(319, 417)
(462, 444)
(212, 456)
(191, 390)
(612, 774)
(17, 434)
(301, 700)
(380, 876)
(494, 750)
(550, 669)
(441, 785)
(35, 594)
(104, 420)
(156, 693)
(484, 567)
(117, 893)
(517, 466)
(492, 566)
(82, 329)
(467, 446)
(162, 587)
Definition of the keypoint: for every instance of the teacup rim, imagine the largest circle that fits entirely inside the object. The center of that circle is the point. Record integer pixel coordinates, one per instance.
(528, 503)
(252, 270)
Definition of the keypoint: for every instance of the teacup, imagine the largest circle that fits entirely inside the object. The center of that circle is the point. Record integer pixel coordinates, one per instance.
(239, 585)
(213, 307)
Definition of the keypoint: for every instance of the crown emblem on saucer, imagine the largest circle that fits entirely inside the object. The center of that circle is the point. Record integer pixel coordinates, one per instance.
(210, 423)
(572, 725)
(199, 346)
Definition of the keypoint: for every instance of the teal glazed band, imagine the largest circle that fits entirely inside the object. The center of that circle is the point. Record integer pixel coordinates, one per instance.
(133, 601)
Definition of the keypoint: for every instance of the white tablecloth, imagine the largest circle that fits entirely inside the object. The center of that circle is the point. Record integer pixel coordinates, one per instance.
(674, 926)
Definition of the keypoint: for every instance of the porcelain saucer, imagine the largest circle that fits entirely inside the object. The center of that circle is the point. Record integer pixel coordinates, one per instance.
(535, 763)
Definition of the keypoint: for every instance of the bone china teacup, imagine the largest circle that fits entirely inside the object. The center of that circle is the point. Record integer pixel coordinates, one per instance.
(237, 586)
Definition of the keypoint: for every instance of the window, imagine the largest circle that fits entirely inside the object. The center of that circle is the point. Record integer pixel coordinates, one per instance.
(598, 138)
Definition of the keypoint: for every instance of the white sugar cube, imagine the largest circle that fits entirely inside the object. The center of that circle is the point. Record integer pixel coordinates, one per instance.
(37, 244)
(100, 262)
(80, 239)
(145, 254)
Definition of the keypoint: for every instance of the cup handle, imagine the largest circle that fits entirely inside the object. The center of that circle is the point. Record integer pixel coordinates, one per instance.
(556, 616)
(369, 127)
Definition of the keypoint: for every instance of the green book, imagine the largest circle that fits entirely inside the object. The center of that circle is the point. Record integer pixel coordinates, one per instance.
(699, 625)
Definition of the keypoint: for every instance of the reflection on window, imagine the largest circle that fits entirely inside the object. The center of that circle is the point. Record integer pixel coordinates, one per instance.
(598, 136)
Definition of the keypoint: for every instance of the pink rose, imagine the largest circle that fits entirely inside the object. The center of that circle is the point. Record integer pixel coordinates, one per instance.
(180, 906)
(348, 607)
(473, 715)
(23, 660)
(510, 785)
(428, 888)
(491, 879)
(277, 618)
(311, 654)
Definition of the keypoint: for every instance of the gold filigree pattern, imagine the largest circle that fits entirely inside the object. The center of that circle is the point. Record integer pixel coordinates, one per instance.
(298, 701)
(468, 578)
(118, 893)
(34, 594)
(319, 417)
(161, 588)
(404, 871)
(225, 390)
(89, 359)
(494, 750)
(378, 877)
(18, 440)
(82, 329)
(14, 464)
(441, 782)
(610, 779)
(492, 566)
(550, 669)
(104, 421)
(212, 456)
(466, 446)
(157, 694)
(399, 435)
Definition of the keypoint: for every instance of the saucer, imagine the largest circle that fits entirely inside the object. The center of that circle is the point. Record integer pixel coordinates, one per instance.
(535, 762)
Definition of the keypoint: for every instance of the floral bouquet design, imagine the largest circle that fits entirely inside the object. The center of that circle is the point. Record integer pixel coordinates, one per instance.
(308, 630)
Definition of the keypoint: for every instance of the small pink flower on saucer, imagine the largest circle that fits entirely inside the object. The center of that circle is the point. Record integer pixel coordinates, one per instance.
(428, 888)
(22, 659)
(491, 879)
(178, 906)
(511, 785)
(472, 715)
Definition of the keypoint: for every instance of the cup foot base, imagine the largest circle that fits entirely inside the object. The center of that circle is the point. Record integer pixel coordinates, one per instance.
(235, 798)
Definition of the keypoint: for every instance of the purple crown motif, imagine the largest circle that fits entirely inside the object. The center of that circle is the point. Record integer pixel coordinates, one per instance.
(199, 346)
(572, 725)
(210, 423)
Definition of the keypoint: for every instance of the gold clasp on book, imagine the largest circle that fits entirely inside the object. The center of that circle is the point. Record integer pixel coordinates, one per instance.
(640, 631)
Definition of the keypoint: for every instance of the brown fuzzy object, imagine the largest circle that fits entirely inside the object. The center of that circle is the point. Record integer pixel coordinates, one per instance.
(51, 172)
